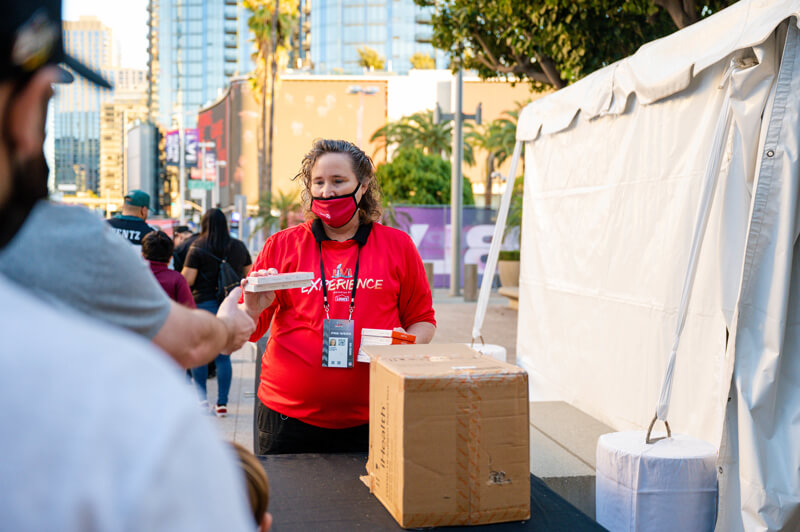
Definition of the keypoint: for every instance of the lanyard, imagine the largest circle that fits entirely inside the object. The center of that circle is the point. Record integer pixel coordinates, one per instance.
(325, 285)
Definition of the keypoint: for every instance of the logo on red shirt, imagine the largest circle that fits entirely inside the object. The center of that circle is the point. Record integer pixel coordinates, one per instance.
(340, 273)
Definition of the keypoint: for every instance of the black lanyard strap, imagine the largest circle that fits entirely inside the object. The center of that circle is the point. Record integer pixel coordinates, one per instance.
(325, 285)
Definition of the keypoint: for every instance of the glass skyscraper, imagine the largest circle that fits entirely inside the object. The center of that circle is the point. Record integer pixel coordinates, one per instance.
(196, 47)
(396, 29)
(74, 132)
(76, 107)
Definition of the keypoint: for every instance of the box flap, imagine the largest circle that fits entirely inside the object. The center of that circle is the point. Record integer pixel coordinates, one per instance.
(437, 360)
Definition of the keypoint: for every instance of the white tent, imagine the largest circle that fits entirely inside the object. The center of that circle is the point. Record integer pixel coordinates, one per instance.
(616, 166)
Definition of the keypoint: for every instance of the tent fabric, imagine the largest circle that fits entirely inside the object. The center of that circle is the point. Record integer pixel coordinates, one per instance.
(612, 184)
(760, 453)
(658, 69)
(609, 212)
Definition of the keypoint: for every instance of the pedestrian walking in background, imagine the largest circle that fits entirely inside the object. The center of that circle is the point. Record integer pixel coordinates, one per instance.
(184, 237)
(131, 223)
(157, 249)
(202, 272)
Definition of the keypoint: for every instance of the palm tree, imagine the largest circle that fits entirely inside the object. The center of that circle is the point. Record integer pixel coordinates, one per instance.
(480, 137)
(418, 131)
(497, 138)
(271, 24)
(283, 202)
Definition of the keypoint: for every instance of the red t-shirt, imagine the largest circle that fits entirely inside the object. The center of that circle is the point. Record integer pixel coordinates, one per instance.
(392, 292)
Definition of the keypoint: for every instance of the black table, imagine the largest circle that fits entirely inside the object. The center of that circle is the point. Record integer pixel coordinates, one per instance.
(322, 492)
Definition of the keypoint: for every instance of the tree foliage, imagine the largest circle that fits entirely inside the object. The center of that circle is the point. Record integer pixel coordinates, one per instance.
(552, 43)
(283, 203)
(422, 61)
(270, 24)
(417, 178)
(370, 59)
(418, 131)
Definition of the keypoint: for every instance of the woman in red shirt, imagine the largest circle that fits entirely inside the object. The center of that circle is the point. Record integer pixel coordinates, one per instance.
(313, 393)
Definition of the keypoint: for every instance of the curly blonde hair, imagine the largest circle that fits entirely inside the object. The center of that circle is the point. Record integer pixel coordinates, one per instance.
(369, 209)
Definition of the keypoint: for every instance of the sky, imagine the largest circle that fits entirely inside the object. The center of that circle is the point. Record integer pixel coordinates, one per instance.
(128, 22)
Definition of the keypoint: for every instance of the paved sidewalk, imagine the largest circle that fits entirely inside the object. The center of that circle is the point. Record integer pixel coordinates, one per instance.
(454, 317)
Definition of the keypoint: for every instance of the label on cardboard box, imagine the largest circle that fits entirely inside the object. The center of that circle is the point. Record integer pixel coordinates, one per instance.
(449, 436)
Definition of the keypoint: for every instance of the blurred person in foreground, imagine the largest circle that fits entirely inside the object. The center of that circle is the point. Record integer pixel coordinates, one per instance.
(314, 394)
(257, 486)
(72, 259)
(99, 431)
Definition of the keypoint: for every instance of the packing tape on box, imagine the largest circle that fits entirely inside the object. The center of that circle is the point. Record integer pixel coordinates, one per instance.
(468, 446)
(468, 432)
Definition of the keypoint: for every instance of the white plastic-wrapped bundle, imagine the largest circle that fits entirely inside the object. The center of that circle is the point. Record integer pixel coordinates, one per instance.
(497, 352)
(659, 487)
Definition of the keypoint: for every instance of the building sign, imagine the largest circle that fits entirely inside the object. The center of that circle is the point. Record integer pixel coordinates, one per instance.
(429, 228)
(172, 147)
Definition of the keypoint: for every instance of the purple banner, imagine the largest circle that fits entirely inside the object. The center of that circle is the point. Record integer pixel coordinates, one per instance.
(172, 148)
(429, 228)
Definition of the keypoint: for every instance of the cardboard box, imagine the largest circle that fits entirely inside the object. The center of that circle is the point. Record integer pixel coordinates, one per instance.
(448, 436)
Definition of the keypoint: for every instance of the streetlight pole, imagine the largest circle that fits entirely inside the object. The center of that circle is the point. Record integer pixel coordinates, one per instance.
(181, 170)
(215, 198)
(456, 189)
(361, 91)
(456, 179)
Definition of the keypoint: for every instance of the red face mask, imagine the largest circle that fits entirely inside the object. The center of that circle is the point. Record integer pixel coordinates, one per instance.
(336, 211)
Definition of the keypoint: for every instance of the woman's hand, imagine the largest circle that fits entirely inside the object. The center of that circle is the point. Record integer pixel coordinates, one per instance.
(256, 302)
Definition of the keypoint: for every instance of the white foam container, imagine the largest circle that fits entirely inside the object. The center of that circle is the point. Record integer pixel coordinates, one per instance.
(497, 352)
(666, 486)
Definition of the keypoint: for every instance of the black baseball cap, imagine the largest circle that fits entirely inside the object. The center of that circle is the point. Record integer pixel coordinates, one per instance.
(31, 37)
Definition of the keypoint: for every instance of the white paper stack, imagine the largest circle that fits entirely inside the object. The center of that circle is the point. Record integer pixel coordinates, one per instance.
(280, 281)
(382, 337)
(662, 487)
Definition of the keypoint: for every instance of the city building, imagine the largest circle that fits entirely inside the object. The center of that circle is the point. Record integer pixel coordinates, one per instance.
(153, 64)
(396, 29)
(195, 48)
(75, 123)
(117, 116)
(142, 164)
(343, 107)
(76, 107)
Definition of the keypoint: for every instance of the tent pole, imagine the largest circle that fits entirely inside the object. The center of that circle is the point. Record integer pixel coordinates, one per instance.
(497, 241)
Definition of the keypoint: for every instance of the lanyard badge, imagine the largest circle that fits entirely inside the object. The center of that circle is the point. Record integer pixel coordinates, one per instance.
(338, 336)
(337, 343)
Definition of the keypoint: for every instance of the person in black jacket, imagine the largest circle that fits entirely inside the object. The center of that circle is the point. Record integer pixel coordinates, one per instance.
(131, 223)
(184, 238)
